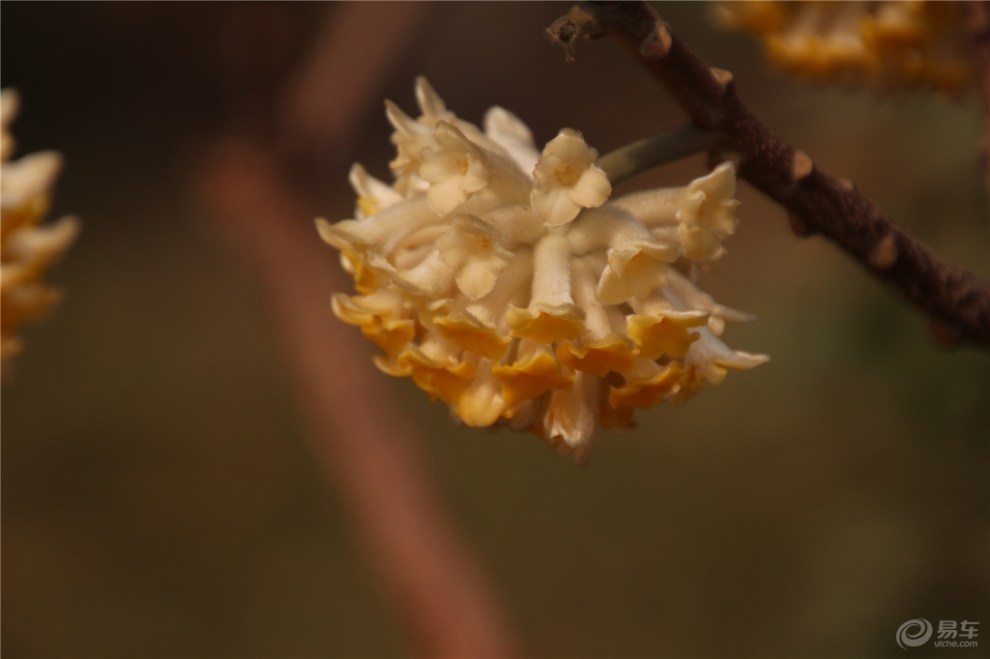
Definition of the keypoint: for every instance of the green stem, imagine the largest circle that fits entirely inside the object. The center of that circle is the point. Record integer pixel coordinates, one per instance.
(651, 152)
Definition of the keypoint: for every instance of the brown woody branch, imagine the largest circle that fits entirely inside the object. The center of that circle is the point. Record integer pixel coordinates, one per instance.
(957, 303)
(360, 437)
(364, 443)
(978, 26)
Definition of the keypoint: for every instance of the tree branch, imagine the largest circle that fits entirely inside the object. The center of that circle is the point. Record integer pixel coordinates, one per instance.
(360, 437)
(957, 303)
(363, 442)
(978, 25)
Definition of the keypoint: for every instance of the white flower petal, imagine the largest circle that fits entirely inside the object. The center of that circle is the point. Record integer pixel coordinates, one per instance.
(571, 148)
(592, 189)
(430, 103)
(533, 301)
(552, 274)
(570, 415)
(373, 195)
(29, 178)
(555, 206)
(476, 279)
(514, 136)
(567, 166)
(27, 247)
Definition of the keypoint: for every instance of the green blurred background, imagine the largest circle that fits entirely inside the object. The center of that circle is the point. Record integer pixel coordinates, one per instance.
(159, 498)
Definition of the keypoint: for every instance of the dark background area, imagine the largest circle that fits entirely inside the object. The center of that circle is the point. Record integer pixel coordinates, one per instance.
(158, 498)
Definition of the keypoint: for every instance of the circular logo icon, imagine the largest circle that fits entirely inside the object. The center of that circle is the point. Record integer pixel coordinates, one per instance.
(914, 633)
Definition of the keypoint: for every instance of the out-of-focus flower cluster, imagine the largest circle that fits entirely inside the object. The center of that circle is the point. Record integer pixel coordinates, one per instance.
(506, 284)
(27, 248)
(885, 44)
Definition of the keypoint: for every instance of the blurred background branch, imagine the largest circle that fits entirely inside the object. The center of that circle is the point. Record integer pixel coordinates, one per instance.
(977, 15)
(366, 445)
(341, 80)
(360, 436)
(957, 304)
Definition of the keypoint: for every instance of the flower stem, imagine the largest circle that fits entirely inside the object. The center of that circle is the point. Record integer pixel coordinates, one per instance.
(632, 159)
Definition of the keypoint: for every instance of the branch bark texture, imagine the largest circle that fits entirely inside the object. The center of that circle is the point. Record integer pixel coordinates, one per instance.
(957, 303)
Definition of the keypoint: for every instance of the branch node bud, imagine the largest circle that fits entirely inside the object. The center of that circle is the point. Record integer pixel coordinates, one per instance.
(884, 254)
(801, 165)
(723, 77)
(657, 43)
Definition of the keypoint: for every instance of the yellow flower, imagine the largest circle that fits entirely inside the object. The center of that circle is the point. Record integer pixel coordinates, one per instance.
(888, 44)
(504, 282)
(27, 248)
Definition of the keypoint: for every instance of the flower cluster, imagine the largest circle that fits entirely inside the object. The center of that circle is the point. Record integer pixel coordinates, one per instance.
(889, 43)
(26, 248)
(505, 283)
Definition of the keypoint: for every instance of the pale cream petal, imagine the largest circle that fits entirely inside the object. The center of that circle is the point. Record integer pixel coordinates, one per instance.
(481, 404)
(567, 165)
(552, 272)
(10, 102)
(29, 179)
(556, 206)
(592, 189)
(373, 195)
(570, 147)
(533, 302)
(514, 136)
(572, 413)
(429, 101)
(27, 246)
(476, 279)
